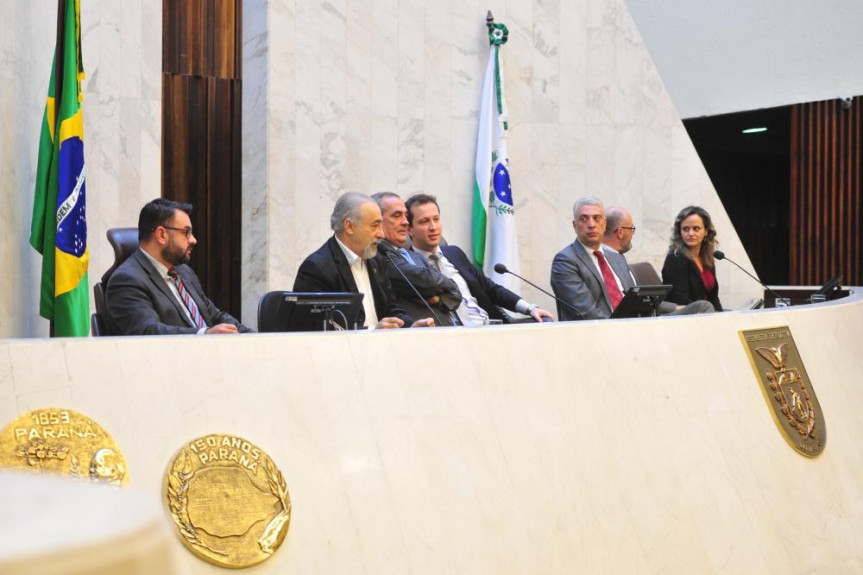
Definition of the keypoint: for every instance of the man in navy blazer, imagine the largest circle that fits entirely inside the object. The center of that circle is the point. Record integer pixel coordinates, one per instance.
(482, 298)
(142, 296)
(345, 263)
(576, 272)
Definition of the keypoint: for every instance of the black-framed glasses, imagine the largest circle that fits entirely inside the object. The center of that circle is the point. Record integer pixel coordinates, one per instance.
(186, 231)
(630, 228)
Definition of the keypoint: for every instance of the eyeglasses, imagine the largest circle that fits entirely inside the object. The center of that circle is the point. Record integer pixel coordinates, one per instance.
(631, 228)
(186, 231)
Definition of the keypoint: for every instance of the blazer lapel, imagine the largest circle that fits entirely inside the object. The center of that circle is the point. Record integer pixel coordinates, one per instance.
(344, 270)
(587, 260)
(618, 264)
(377, 293)
(160, 284)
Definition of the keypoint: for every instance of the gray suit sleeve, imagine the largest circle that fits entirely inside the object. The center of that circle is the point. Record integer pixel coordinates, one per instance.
(569, 284)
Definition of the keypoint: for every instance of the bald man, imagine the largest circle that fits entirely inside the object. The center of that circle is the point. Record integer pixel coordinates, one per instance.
(619, 231)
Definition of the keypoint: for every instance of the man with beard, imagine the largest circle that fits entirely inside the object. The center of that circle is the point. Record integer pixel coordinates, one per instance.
(155, 292)
(619, 230)
(345, 263)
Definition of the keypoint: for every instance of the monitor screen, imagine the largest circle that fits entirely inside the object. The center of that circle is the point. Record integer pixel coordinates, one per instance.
(641, 301)
(295, 311)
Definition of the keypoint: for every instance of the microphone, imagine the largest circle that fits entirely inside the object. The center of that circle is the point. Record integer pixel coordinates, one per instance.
(389, 253)
(502, 269)
(719, 255)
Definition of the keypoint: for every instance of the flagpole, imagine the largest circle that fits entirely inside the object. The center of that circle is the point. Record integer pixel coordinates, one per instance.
(59, 55)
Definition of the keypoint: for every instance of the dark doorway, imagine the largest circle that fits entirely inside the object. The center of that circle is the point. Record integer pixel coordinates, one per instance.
(751, 174)
(201, 134)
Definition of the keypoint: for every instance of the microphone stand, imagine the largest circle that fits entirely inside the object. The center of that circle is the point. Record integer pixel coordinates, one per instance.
(721, 256)
(416, 291)
(502, 269)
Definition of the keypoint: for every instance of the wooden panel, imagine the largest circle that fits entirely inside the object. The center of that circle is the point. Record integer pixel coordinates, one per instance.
(202, 37)
(825, 192)
(201, 135)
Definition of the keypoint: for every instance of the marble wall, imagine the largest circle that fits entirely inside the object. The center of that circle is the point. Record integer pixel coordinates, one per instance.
(366, 95)
(121, 46)
(374, 95)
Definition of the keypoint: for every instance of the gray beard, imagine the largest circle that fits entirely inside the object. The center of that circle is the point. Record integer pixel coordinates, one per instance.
(371, 251)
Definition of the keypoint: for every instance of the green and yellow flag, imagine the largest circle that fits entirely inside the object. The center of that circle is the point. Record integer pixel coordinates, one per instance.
(59, 227)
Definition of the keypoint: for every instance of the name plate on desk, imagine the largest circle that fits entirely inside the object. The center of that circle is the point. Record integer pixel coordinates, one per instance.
(787, 388)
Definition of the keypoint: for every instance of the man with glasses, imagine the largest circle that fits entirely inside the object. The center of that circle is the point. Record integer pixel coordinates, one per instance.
(155, 292)
(618, 236)
(618, 229)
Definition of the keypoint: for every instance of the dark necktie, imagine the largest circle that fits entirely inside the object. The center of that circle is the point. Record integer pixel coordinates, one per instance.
(197, 319)
(608, 279)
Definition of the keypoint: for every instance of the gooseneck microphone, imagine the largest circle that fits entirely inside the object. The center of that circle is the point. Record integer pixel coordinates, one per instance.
(502, 269)
(416, 291)
(721, 256)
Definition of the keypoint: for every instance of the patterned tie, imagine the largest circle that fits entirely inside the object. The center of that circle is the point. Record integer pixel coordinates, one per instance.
(434, 260)
(608, 278)
(187, 299)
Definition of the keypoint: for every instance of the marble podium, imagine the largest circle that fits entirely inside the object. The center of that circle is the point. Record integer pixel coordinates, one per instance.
(597, 447)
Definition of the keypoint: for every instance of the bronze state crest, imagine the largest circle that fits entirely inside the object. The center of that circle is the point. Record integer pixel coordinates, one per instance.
(787, 388)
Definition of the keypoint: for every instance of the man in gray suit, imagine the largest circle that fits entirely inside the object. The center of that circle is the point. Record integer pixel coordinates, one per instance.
(587, 275)
(438, 291)
(154, 292)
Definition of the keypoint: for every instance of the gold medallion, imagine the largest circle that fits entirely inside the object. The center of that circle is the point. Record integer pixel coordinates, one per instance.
(228, 500)
(64, 442)
(787, 388)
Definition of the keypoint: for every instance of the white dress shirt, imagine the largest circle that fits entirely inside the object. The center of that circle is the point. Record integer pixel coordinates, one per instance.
(469, 313)
(360, 271)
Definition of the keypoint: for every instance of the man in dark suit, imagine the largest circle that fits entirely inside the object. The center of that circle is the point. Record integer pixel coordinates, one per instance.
(481, 297)
(590, 277)
(345, 263)
(403, 265)
(154, 292)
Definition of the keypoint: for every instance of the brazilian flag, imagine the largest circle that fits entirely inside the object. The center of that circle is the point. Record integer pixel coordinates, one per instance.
(59, 227)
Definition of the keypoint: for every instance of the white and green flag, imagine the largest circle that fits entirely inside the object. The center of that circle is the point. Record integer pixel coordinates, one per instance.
(494, 234)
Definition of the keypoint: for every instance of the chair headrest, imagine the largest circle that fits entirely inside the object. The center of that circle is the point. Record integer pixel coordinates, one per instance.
(125, 242)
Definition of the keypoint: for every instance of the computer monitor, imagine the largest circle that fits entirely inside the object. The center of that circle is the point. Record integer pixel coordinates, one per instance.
(298, 311)
(641, 301)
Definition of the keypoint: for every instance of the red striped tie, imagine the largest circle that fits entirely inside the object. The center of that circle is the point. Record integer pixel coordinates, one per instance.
(608, 278)
(187, 299)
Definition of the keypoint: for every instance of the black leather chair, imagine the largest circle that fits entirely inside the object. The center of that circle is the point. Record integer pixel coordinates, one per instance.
(125, 242)
(268, 305)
